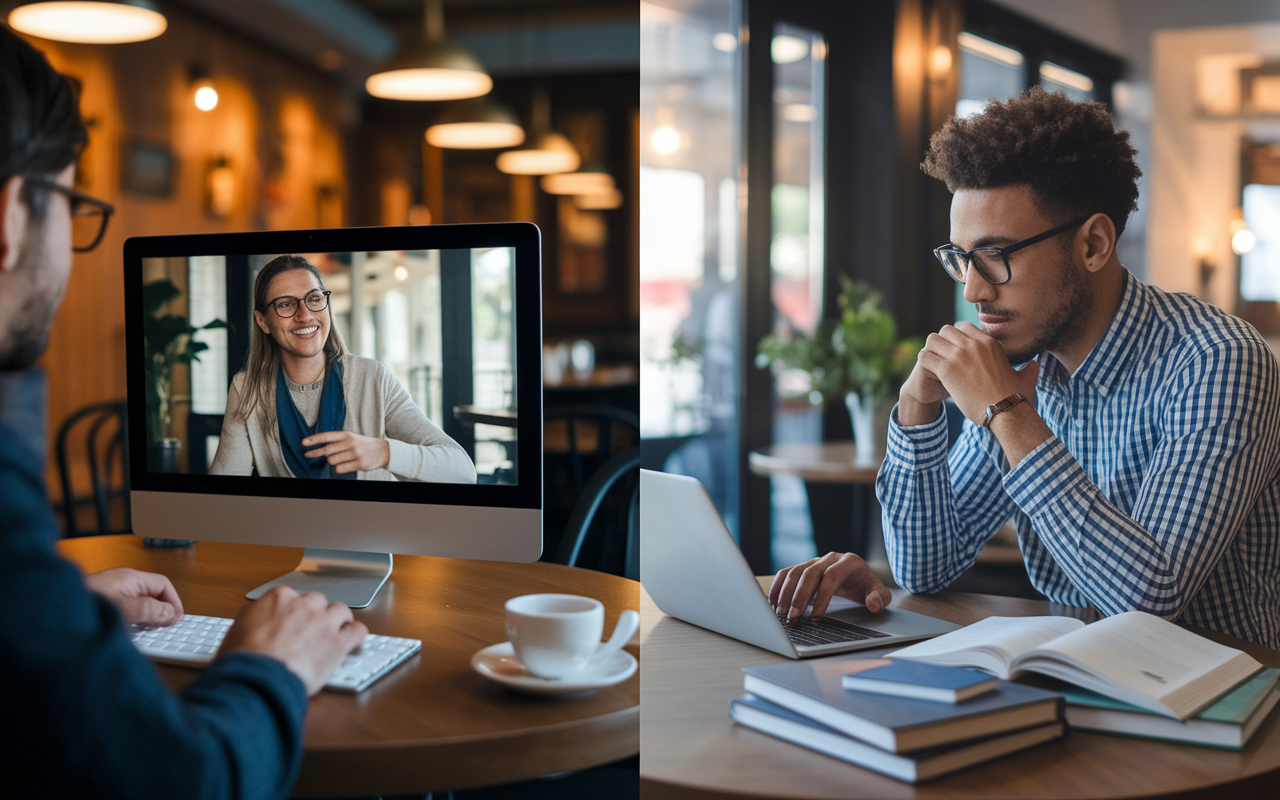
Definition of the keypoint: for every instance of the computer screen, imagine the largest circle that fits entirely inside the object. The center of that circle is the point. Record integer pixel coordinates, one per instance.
(355, 391)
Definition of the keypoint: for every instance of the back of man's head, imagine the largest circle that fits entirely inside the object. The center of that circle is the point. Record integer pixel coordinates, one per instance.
(41, 130)
(1069, 152)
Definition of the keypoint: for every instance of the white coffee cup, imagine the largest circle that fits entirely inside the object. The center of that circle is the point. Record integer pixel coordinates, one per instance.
(557, 635)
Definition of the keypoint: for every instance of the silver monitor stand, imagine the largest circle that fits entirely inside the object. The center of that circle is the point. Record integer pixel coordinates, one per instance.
(343, 576)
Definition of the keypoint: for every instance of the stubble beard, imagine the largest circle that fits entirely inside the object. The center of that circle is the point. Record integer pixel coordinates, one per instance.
(1062, 321)
(28, 333)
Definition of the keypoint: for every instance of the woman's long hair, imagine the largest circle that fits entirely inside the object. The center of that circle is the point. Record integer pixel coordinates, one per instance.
(264, 354)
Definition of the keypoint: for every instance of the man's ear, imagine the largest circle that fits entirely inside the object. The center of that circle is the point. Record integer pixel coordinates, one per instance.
(1099, 239)
(14, 219)
(262, 322)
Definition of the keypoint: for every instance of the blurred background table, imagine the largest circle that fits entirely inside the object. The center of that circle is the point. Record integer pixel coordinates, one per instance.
(842, 500)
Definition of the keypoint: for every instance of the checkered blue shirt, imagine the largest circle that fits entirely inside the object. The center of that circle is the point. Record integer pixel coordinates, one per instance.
(1157, 491)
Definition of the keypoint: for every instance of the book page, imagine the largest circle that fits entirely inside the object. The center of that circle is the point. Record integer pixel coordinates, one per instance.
(1005, 637)
(1145, 653)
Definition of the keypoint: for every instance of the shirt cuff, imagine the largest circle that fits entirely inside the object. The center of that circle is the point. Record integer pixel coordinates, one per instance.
(917, 446)
(1048, 474)
(402, 459)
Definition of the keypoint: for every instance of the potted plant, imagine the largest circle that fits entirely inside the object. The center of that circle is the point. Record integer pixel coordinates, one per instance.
(856, 356)
(169, 342)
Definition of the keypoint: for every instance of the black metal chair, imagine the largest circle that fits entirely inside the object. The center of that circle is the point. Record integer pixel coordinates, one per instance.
(623, 472)
(106, 448)
(595, 419)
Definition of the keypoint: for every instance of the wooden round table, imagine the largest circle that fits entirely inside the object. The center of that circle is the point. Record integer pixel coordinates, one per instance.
(842, 498)
(692, 749)
(432, 723)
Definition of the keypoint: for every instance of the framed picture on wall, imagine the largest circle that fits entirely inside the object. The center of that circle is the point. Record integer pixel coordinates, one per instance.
(146, 168)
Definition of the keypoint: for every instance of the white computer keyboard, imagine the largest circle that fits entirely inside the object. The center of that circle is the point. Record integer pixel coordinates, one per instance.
(194, 641)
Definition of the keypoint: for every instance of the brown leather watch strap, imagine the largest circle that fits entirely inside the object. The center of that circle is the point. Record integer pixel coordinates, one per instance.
(1004, 405)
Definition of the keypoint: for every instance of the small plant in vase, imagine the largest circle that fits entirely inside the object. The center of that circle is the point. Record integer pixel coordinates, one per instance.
(856, 357)
(169, 342)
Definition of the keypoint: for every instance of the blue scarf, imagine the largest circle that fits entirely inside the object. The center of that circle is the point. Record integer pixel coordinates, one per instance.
(293, 428)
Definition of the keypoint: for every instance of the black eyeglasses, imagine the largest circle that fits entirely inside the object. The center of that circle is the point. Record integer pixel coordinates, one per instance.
(286, 307)
(992, 263)
(89, 215)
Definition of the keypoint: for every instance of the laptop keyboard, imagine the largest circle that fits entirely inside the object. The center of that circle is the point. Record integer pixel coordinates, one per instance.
(811, 632)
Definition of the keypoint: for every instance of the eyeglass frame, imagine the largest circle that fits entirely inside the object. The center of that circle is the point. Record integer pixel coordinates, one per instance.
(75, 196)
(301, 302)
(967, 255)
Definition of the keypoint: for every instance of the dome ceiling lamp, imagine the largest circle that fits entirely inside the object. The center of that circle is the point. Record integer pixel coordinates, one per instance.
(548, 153)
(433, 68)
(591, 179)
(90, 21)
(476, 124)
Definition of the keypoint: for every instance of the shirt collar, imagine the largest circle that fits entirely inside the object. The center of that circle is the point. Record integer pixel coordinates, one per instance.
(1105, 364)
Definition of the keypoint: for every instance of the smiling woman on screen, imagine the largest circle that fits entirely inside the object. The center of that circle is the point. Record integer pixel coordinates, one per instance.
(304, 407)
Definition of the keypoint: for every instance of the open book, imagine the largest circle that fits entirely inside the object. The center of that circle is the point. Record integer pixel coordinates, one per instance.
(1135, 657)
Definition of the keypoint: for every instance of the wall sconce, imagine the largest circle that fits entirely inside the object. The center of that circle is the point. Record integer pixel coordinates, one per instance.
(203, 92)
(1242, 239)
(1202, 249)
(940, 63)
(220, 187)
(96, 22)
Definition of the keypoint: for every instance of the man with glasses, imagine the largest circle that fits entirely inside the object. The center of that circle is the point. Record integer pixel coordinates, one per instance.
(1131, 434)
(89, 715)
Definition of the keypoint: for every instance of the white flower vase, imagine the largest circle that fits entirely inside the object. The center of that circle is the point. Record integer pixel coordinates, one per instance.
(870, 428)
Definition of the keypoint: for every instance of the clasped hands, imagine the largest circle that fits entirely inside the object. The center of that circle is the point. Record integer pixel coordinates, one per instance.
(962, 362)
(349, 452)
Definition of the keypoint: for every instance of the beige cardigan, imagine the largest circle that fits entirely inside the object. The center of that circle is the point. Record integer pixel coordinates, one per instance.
(377, 405)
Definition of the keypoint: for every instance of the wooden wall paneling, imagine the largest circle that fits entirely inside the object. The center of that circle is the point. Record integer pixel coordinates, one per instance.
(143, 90)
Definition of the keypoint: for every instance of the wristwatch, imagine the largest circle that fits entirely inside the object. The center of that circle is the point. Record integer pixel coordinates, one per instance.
(1004, 405)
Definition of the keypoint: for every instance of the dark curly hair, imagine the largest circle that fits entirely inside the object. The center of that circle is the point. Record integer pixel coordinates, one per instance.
(41, 131)
(1069, 152)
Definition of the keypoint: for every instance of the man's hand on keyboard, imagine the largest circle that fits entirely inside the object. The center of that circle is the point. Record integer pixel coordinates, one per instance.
(142, 598)
(308, 635)
(817, 580)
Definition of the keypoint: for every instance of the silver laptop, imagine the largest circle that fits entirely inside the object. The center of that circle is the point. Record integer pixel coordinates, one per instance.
(694, 571)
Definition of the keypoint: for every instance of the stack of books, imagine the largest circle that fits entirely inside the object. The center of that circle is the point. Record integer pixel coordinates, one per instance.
(1134, 674)
(927, 711)
(908, 738)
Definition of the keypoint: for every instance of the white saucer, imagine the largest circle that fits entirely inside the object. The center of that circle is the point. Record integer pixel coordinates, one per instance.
(499, 663)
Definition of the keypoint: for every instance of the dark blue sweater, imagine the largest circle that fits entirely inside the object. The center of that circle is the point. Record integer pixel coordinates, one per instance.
(86, 715)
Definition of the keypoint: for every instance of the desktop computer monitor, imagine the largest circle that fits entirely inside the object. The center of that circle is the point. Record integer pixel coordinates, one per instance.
(420, 348)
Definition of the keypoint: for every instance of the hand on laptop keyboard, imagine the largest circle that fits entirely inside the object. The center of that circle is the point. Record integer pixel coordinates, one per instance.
(308, 635)
(816, 581)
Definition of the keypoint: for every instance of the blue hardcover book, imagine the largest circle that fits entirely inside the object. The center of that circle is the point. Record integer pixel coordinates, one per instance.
(918, 679)
(922, 765)
(814, 689)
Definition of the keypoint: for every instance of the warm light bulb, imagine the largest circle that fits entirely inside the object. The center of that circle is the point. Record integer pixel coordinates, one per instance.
(940, 62)
(402, 272)
(88, 22)
(666, 140)
(206, 98)
(1242, 241)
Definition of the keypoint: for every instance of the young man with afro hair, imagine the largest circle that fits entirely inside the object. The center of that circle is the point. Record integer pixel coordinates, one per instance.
(1132, 434)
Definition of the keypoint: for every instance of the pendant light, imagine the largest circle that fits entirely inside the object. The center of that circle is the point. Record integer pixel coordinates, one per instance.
(476, 124)
(548, 153)
(430, 69)
(90, 21)
(591, 179)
